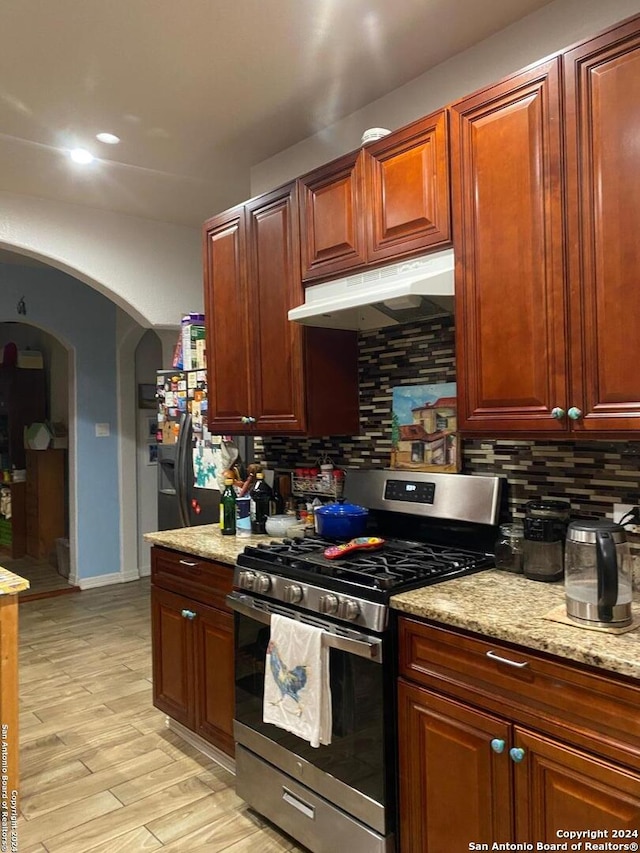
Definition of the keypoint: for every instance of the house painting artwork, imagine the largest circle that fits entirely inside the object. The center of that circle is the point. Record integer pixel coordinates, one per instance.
(423, 432)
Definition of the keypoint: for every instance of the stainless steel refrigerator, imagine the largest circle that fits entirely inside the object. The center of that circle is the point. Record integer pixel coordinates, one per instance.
(190, 458)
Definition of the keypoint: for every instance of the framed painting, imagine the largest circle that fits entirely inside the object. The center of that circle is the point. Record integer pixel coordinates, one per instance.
(424, 428)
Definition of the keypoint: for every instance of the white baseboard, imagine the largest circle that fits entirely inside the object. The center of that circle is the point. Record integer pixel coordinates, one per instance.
(130, 575)
(203, 746)
(114, 577)
(105, 580)
(145, 571)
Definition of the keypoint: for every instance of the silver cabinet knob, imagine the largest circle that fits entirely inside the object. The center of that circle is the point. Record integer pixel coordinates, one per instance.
(262, 584)
(189, 614)
(328, 604)
(292, 594)
(247, 419)
(575, 413)
(557, 413)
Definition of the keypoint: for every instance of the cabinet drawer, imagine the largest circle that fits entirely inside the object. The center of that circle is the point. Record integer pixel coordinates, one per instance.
(204, 580)
(592, 709)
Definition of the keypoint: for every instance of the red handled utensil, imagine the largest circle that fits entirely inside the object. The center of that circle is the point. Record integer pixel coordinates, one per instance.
(361, 543)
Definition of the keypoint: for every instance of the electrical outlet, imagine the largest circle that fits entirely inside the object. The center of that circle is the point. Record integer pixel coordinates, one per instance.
(619, 512)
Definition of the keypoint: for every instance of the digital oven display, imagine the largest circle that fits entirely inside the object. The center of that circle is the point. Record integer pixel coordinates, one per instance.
(410, 492)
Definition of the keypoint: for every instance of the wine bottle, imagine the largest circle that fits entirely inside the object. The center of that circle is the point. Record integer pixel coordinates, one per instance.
(228, 509)
(261, 496)
(276, 504)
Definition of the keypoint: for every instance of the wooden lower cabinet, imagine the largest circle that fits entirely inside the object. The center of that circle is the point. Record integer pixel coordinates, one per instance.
(453, 788)
(192, 649)
(491, 752)
(557, 788)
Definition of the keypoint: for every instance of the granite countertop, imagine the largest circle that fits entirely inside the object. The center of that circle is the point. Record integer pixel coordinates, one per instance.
(11, 584)
(510, 607)
(205, 541)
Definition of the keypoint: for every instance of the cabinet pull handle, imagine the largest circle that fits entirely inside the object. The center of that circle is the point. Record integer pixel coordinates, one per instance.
(497, 745)
(516, 753)
(575, 413)
(495, 656)
(557, 413)
(306, 809)
(189, 614)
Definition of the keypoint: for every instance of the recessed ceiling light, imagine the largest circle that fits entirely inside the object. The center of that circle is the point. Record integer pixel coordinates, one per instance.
(109, 138)
(81, 155)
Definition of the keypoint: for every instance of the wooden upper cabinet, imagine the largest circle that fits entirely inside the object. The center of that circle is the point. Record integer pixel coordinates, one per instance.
(332, 218)
(227, 320)
(407, 190)
(384, 201)
(266, 374)
(602, 79)
(274, 283)
(508, 239)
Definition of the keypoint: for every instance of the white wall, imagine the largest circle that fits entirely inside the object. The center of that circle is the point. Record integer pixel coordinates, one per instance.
(152, 270)
(546, 31)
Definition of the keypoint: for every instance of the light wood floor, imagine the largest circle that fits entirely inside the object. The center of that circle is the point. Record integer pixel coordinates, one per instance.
(99, 769)
(44, 579)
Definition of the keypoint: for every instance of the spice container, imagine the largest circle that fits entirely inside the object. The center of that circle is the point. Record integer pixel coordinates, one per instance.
(509, 548)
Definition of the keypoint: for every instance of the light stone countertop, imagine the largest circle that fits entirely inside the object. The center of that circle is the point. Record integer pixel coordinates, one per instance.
(10, 584)
(205, 541)
(510, 607)
(492, 603)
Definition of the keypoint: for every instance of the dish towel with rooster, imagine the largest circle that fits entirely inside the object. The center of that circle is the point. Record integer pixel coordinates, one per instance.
(297, 693)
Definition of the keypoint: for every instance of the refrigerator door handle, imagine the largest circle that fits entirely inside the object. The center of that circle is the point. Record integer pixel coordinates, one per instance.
(183, 443)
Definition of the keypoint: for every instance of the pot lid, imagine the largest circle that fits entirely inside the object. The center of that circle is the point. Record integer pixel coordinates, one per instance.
(342, 509)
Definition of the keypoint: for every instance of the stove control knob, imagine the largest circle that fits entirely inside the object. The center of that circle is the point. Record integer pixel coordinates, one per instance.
(246, 579)
(349, 609)
(292, 594)
(262, 584)
(328, 604)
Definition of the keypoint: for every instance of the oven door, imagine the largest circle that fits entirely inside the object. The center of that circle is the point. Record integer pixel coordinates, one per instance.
(354, 771)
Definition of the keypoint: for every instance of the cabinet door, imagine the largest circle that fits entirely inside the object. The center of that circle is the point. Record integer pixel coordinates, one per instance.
(508, 238)
(227, 315)
(214, 677)
(603, 181)
(275, 287)
(407, 190)
(453, 787)
(172, 652)
(332, 218)
(558, 788)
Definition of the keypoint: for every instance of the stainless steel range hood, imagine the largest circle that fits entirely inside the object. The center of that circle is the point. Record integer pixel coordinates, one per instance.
(416, 289)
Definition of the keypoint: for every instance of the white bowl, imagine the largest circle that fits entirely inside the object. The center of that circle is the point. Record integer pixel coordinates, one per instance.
(374, 133)
(277, 525)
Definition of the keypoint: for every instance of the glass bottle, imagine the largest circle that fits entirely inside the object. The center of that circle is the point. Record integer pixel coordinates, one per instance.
(228, 509)
(509, 547)
(261, 496)
(276, 504)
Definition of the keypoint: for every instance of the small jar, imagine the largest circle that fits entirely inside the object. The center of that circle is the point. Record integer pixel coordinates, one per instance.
(509, 548)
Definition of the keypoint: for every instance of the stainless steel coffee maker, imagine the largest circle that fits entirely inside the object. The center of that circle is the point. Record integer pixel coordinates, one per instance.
(598, 574)
(545, 527)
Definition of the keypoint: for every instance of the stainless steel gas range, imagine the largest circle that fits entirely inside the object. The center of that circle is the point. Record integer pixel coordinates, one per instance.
(436, 527)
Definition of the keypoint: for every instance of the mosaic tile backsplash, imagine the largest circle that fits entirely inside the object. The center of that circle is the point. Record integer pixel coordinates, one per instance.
(591, 475)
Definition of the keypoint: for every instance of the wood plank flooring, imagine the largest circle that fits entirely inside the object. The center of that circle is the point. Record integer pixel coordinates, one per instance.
(99, 769)
(43, 577)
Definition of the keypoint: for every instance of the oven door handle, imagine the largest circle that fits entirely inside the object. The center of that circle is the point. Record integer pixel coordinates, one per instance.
(370, 648)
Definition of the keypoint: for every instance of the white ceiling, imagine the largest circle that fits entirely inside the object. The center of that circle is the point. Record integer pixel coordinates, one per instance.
(201, 90)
